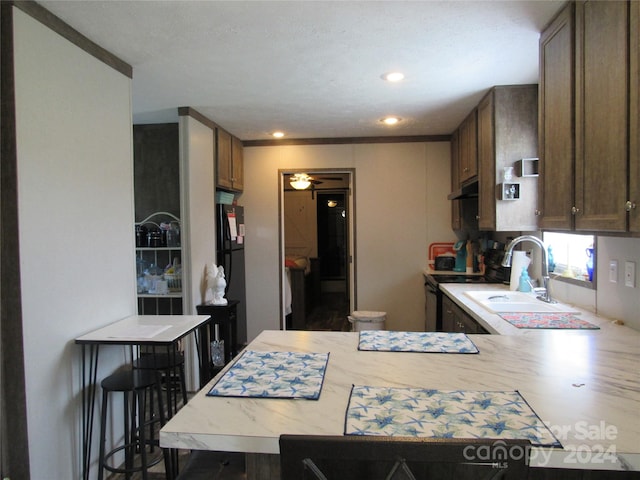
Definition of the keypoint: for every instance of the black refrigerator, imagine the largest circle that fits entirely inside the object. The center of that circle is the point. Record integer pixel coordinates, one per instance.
(230, 254)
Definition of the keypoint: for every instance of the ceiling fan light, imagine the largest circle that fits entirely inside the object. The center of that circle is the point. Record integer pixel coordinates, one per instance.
(300, 181)
(277, 134)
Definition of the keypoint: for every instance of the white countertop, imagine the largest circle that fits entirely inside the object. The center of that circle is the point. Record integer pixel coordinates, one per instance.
(575, 381)
(431, 271)
(145, 329)
(493, 323)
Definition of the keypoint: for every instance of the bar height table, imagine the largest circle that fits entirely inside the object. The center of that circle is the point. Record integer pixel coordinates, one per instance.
(154, 331)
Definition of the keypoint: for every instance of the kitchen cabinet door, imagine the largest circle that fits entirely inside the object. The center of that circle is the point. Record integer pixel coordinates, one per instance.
(556, 123)
(602, 101)
(456, 212)
(223, 160)
(507, 132)
(634, 117)
(455, 320)
(237, 164)
(487, 167)
(229, 162)
(468, 164)
(588, 165)
(449, 315)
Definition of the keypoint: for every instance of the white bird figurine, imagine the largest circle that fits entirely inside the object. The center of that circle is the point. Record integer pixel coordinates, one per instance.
(217, 283)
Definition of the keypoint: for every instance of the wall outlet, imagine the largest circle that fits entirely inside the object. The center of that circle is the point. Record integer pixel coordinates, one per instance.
(630, 274)
(613, 271)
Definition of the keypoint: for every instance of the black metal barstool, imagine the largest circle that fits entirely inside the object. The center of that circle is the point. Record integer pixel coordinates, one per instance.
(171, 366)
(135, 385)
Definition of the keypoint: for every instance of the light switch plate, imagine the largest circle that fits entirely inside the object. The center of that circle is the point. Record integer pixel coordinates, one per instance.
(613, 271)
(630, 274)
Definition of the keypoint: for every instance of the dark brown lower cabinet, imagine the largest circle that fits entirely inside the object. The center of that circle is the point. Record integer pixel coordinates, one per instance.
(454, 319)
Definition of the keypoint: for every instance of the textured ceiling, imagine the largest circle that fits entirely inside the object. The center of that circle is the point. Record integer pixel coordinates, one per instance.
(313, 68)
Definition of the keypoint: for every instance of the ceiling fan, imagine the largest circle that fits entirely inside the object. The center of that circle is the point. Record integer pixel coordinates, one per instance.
(302, 181)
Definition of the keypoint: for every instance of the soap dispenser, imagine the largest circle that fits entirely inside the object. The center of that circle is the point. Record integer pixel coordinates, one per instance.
(525, 284)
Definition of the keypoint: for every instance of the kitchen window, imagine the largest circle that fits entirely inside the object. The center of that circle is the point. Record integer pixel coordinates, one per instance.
(571, 257)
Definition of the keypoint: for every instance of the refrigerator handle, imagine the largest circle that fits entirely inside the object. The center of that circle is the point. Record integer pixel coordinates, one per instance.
(230, 271)
(224, 228)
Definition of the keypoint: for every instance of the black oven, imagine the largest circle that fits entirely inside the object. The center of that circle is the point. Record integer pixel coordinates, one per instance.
(494, 273)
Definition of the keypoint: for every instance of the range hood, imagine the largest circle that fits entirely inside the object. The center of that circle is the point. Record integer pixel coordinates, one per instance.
(468, 190)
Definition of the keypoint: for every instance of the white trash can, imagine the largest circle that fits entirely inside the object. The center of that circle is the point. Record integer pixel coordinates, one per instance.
(364, 320)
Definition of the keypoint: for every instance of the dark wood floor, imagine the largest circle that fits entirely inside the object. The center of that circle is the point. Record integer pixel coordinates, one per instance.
(330, 313)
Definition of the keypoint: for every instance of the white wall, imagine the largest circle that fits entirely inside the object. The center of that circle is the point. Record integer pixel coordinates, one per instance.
(438, 183)
(394, 186)
(75, 194)
(197, 216)
(198, 206)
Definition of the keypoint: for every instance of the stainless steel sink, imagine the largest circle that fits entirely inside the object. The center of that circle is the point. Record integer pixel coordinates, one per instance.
(512, 302)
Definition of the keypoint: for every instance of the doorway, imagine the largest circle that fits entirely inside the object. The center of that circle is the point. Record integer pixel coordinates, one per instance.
(316, 244)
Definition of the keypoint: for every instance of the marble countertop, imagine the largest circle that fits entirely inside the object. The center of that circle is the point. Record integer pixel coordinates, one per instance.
(583, 385)
(494, 323)
(144, 329)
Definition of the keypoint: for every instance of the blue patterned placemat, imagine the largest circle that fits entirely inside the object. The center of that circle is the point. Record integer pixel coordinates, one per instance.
(547, 320)
(415, 412)
(274, 375)
(423, 342)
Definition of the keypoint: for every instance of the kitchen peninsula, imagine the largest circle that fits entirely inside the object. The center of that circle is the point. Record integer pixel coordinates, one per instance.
(574, 381)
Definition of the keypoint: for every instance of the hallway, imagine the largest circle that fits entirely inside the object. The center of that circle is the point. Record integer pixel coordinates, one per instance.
(330, 314)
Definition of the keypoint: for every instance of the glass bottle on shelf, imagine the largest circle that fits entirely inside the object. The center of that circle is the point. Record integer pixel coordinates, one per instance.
(217, 349)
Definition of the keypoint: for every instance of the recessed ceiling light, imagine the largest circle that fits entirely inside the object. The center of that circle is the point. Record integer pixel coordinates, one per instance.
(278, 134)
(393, 76)
(390, 120)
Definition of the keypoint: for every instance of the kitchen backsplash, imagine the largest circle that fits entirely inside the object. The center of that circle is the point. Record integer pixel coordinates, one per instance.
(615, 300)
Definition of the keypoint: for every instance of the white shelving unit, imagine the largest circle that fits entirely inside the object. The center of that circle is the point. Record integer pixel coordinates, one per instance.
(147, 258)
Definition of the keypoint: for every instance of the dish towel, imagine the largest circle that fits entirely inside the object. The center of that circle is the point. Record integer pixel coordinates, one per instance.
(422, 342)
(417, 412)
(274, 375)
(547, 320)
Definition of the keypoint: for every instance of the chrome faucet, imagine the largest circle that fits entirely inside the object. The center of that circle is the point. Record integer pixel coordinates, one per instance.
(506, 262)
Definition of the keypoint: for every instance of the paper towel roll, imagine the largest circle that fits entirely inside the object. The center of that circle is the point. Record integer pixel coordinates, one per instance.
(519, 260)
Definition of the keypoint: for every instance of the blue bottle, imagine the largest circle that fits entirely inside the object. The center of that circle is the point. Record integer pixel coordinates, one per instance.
(590, 263)
(551, 262)
(524, 284)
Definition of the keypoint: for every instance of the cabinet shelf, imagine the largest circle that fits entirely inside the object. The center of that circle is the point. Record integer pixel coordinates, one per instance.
(163, 295)
(170, 303)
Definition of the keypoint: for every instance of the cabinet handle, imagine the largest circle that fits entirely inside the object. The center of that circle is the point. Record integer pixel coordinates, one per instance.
(538, 212)
(629, 205)
(575, 210)
(477, 217)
